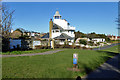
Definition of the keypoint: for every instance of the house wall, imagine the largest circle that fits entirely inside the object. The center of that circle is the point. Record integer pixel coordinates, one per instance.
(62, 23)
(99, 39)
(35, 43)
(55, 34)
(69, 33)
(77, 41)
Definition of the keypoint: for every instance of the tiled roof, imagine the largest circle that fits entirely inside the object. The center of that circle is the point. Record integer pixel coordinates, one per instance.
(63, 36)
(45, 36)
(55, 26)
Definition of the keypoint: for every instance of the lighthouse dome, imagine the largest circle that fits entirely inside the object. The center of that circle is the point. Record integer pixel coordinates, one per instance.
(57, 13)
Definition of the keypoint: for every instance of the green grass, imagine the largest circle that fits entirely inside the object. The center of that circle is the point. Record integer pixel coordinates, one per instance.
(26, 52)
(53, 65)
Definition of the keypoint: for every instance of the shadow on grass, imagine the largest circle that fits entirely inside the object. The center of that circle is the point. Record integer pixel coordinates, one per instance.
(110, 70)
(109, 58)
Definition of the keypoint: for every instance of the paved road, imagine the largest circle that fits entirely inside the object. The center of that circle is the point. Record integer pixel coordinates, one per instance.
(44, 53)
(108, 71)
(105, 47)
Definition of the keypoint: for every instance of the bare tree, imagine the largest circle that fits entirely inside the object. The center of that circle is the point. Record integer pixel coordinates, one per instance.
(6, 25)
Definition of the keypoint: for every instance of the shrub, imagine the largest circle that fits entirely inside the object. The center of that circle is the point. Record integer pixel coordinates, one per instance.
(38, 47)
(83, 42)
(98, 43)
(91, 43)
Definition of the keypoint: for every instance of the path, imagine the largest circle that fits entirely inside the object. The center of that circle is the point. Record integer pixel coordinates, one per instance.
(33, 54)
(105, 47)
(108, 71)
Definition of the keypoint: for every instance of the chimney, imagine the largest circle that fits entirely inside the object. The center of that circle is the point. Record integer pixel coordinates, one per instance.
(50, 28)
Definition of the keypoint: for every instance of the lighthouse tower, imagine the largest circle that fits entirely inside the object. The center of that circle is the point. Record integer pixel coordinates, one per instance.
(57, 15)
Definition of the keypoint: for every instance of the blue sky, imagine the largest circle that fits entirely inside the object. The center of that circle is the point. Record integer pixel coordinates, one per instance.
(87, 17)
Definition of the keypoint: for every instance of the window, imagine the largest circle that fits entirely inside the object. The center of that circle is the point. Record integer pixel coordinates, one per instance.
(56, 17)
(57, 30)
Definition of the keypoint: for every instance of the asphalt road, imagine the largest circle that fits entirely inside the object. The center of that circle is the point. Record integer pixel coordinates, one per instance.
(110, 70)
(107, 71)
(105, 47)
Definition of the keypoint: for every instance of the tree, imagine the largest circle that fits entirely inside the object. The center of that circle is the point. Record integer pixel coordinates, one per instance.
(6, 25)
(107, 39)
(79, 34)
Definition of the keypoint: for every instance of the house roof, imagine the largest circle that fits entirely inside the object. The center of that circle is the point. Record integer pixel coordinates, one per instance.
(45, 36)
(63, 36)
(55, 26)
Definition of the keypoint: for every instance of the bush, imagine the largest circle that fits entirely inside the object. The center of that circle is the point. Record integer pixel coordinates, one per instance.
(41, 47)
(38, 47)
(83, 42)
(98, 43)
(91, 43)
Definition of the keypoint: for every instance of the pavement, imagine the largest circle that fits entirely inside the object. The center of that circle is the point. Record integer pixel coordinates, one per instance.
(110, 70)
(105, 47)
(44, 53)
(107, 71)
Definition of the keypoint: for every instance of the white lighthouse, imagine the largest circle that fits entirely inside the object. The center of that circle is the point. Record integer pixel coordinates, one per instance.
(62, 29)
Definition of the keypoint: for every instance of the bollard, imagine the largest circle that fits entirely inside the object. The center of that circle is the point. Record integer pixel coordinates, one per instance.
(75, 60)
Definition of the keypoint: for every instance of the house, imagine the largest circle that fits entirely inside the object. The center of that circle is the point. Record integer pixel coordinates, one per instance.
(112, 37)
(118, 37)
(16, 34)
(78, 39)
(95, 40)
(60, 29)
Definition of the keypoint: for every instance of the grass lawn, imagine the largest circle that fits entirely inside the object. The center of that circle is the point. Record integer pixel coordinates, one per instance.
(26, 52)
(53, 65)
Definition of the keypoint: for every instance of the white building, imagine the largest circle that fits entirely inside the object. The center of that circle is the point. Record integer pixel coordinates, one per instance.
(62, 29)
(78, 39)
(98, 40)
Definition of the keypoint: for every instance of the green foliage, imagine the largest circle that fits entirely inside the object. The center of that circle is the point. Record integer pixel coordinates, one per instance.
(91, 35)
(81, 41)
(27, 51)
(44, 40)
(24, 37)
(91, 43)
(107, 39)
(98, 43)
(79, 34)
